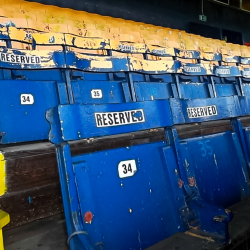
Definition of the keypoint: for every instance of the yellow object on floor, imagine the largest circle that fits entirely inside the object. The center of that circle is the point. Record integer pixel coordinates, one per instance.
(4, 220)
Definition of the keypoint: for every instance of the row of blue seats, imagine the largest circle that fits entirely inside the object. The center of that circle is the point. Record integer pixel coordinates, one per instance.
(162, 187)
(132, 197)
(34, 81)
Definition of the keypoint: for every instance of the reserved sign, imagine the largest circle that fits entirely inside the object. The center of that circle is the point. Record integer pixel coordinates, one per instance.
(110, 119)
(198, 112)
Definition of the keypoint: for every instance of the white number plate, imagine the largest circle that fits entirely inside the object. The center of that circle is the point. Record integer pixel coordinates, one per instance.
(96, 93)
(27, 99)
(127, 168)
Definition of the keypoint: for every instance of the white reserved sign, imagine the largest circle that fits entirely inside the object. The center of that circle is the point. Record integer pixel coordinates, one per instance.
(223, 71)
(192, 69)
(109, 119)
(23, 59)
(198, 112)
(127, 168)
(27, 99)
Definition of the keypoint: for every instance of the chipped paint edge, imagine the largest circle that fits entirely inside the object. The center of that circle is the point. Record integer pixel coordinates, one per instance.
(3, 187)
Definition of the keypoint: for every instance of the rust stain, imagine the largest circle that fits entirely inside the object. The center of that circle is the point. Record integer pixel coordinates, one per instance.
(88, 217)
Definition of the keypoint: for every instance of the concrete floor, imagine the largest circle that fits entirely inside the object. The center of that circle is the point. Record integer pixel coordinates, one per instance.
(44, 234)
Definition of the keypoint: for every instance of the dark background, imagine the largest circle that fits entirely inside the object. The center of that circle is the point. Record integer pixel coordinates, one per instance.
(177, 14)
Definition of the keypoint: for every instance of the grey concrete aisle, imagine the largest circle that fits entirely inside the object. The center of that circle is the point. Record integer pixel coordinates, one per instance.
(45, 234)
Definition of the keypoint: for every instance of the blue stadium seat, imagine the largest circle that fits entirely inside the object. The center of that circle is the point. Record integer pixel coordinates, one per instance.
(209, 156)
(139, 189)
(152, 80)
(216, 165)
(93, 79)
(197, 96)
(30, 84)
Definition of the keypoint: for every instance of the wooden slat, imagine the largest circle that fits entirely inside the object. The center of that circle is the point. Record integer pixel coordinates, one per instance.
(32, 204)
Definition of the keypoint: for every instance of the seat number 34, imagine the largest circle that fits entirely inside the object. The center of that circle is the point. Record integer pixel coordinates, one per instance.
(27, 99)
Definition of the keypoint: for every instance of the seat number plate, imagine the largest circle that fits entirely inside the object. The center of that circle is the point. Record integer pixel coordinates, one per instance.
(27, 99)
(96, 93)
(127, 168)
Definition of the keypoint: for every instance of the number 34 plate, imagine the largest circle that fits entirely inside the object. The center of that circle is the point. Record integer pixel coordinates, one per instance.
(127, 168)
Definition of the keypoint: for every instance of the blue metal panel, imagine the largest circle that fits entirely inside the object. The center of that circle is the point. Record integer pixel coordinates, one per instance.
(217, 165)
(100, 92)
(144, 199)
(226, 89)
(136, 77)
(85, 121)
(2, 75)
(146, 91)
(23, 119)
(246, 138)
(244, 102)
(246, 88)
(192, 90)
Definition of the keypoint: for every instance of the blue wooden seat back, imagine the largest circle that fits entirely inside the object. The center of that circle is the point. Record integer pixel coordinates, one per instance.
(30, 84)
(23, 104)
(216, 165)
(123, 185)
(191, 84)
(152, 80)
(226, 81)
(93, 79)
(192, 87)
(153, 87)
